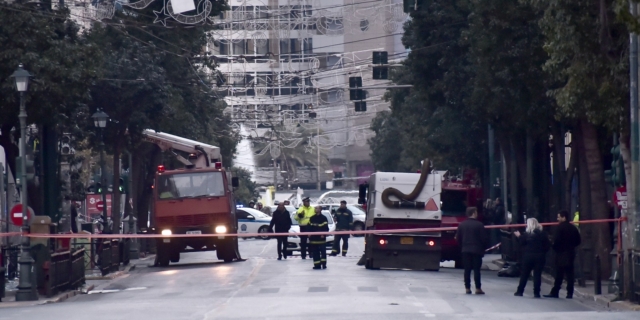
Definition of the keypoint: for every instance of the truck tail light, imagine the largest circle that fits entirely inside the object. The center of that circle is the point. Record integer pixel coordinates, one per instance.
(382, 242)
(160, 169)
(218, 165)
(431, 243)
(431, 205)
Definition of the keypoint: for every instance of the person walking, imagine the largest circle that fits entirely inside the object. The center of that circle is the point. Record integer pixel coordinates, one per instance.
(281, 220)
(344, 222)
(304, 213)
(535, 244)
(565, 241)
(318, 223)
(473, 240)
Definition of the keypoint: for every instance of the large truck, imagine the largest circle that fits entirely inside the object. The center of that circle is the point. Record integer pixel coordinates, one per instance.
(403, 201)
(197, 200)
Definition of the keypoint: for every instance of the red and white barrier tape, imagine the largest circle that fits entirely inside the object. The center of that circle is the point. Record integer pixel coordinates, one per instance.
(250, 235)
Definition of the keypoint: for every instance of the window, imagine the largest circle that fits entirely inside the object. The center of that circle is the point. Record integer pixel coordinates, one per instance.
(454, 203)
(241, 215)
(240, 47)
(308, 45)
(285, 47)
(191, 185)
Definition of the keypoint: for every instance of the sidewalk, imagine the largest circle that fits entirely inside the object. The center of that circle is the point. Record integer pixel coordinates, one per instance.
(587, 293)
(93, 279)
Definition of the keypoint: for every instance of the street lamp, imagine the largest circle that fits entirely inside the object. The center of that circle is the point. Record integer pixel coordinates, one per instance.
(100, 121)
(25, 288)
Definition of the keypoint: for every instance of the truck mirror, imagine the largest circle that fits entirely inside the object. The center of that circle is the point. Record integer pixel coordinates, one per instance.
(235, 182)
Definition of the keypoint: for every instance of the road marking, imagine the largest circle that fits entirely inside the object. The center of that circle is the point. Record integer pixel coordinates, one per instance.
(103, 291)
(135, 289)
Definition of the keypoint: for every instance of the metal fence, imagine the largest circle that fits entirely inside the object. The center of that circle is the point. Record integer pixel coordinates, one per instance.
(9, 260)
(65, 271)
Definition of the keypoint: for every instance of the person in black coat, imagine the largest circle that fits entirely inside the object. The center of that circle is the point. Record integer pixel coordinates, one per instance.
(565, 241)
(318, 223)
(473, 240)
(535, 244)
(281, 219)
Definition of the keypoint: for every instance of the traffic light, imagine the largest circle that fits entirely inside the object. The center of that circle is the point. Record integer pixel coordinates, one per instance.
(361, 106)
(30, 170)
(380, 73)
(617, 167)
(124, 184)
(121, 186)
(99, 188)
(380, 57)
(354, 92)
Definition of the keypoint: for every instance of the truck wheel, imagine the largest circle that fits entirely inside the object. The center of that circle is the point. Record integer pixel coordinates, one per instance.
(227, 250)
(175, 256)
(163, 253)
(358, 226)
(265, 230)
(458, 263)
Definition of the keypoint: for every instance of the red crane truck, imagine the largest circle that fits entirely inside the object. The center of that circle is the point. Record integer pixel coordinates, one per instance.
(197, 199)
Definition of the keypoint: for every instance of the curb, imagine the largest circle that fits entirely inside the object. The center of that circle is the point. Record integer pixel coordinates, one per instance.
(60, 298)
(579, 292)
(114, 275)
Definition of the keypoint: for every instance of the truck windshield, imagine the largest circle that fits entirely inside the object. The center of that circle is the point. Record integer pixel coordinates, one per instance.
(188, 185)
(454, 203)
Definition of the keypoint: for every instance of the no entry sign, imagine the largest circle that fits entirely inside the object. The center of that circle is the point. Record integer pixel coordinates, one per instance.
(17, 215)
(100, 205)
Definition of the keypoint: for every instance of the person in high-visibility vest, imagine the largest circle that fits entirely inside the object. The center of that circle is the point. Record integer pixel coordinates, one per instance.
(576, 219)
(304, 213)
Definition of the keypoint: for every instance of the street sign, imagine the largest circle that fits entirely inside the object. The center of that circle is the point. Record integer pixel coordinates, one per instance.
(17, 216)
(100, 205)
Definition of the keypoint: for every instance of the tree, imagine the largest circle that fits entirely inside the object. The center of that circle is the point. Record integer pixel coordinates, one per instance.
(246, 191)
(63, 64)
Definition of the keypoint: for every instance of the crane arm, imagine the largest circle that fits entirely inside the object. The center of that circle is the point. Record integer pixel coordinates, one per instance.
(207, 154)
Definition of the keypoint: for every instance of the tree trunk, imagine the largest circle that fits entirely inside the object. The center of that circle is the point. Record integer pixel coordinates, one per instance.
(559, 173)
(598, 195)
(115, 202)
(571, 170)
(585, 251)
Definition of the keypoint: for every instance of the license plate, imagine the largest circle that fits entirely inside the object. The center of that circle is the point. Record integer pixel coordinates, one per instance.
(194, 232)
(166, 240)
(406, 240)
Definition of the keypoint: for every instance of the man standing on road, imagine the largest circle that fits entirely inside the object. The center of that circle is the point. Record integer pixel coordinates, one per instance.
(344, 222)
(304, 213)
(473, 240)
(318, 223)
(282, 221)
(565, 241)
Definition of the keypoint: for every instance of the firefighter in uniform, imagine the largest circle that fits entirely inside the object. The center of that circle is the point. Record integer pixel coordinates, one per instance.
(318, 223)
(304, 213)
(344, 222)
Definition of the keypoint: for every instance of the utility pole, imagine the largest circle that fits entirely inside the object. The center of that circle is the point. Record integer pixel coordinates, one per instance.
(275, 174)
(318, 152)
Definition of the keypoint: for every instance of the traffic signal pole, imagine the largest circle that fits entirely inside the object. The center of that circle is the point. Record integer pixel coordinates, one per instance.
(103, 182)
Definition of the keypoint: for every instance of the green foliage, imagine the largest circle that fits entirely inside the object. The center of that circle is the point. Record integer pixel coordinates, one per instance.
(247, 190)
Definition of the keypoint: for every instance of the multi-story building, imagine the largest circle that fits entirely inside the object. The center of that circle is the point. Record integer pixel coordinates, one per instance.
(287, 62)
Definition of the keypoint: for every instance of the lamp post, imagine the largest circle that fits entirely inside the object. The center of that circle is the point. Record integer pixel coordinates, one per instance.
(25, 286)
(100, 121)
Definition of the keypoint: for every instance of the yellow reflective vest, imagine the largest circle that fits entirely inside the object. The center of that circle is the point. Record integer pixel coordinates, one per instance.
(308, 213)
(576, 219)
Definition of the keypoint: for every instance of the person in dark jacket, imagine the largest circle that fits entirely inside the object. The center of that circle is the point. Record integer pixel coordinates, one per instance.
(535, 244)
(473, 240)
(318, 223)
(281, 219)
(565, 241)
(344, 222)
(74, 217)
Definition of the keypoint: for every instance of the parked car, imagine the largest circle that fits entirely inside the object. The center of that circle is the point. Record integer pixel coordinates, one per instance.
(293, 242)
(253, 221)
(359, 216)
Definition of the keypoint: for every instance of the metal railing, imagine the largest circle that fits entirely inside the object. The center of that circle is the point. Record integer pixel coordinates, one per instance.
(64, 271)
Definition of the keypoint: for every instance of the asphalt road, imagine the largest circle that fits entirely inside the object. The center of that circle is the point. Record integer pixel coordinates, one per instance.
(200, 287)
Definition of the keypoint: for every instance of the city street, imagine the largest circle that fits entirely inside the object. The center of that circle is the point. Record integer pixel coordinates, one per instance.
(200, 287)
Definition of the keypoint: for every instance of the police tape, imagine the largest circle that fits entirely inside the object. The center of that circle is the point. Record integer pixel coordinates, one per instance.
(423, 232)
